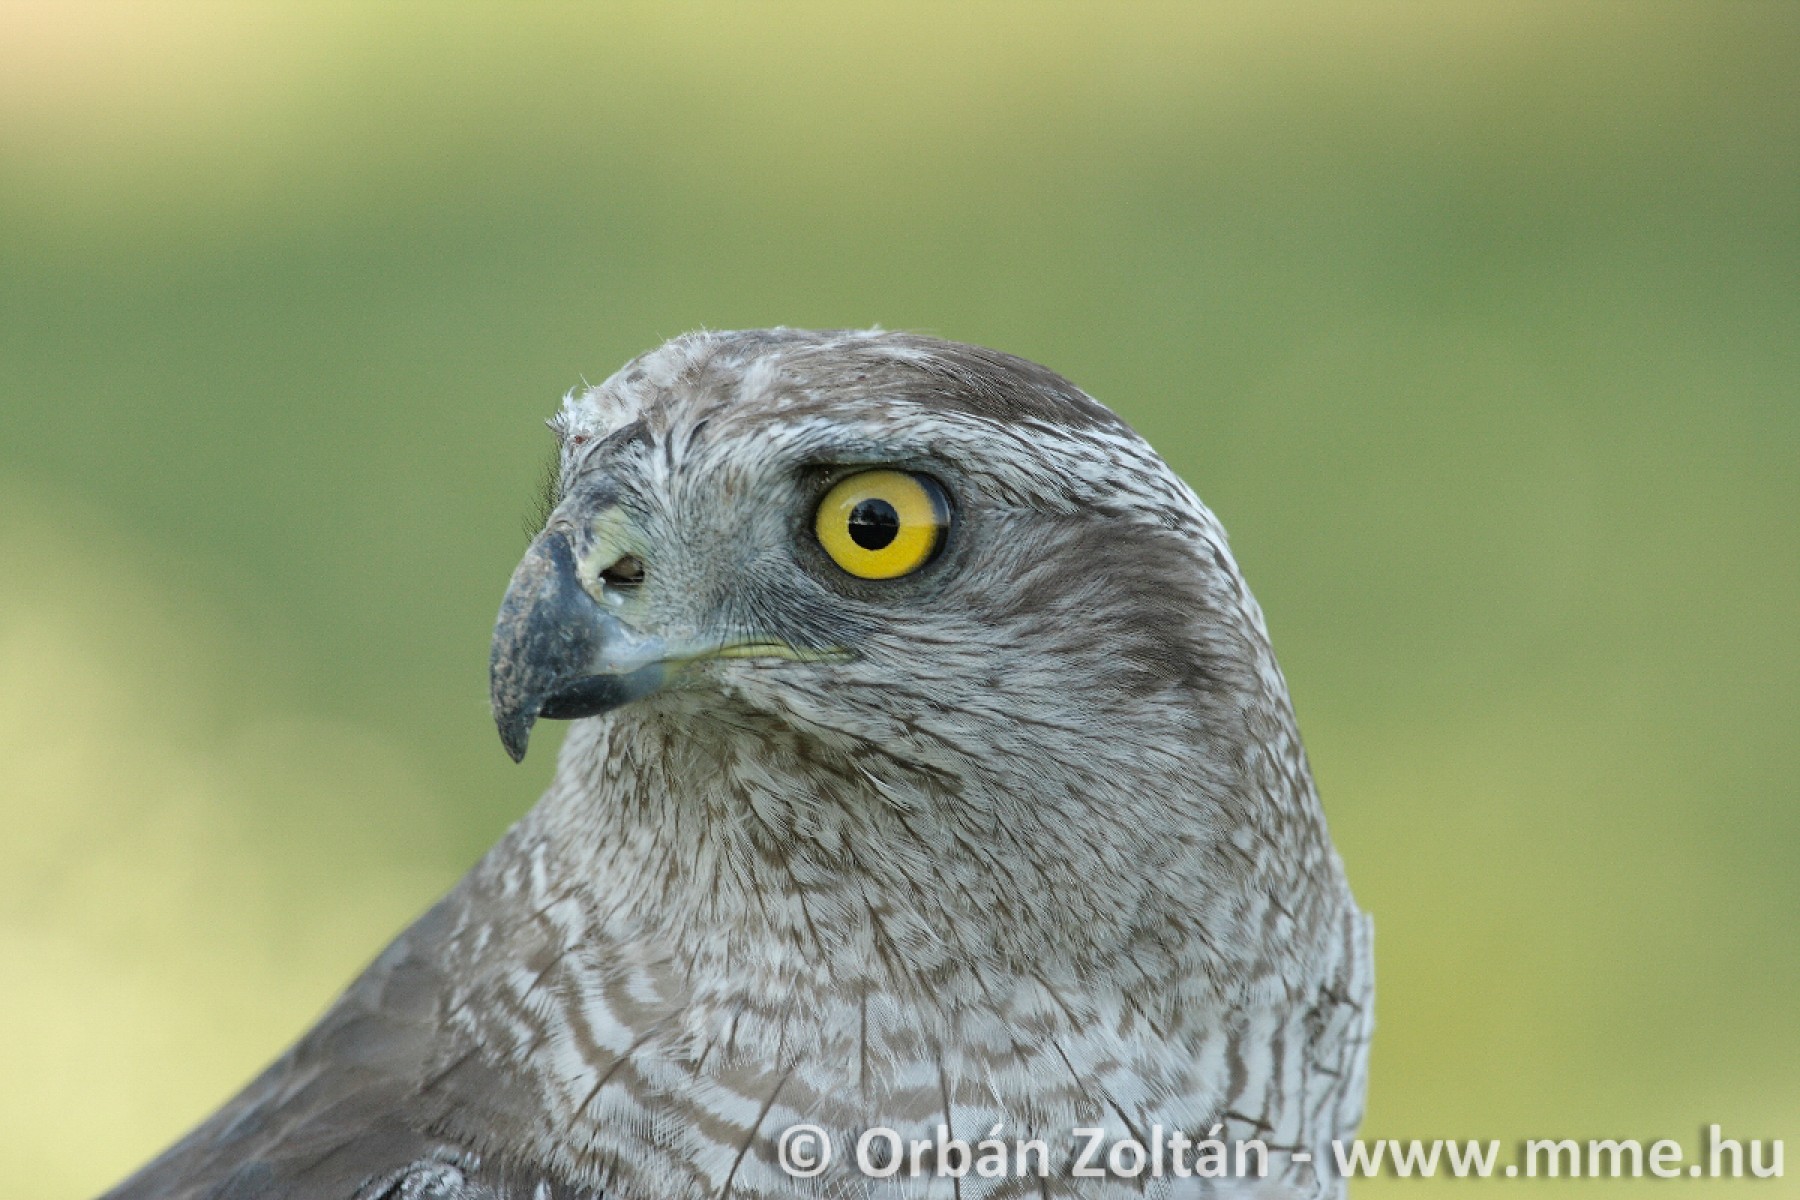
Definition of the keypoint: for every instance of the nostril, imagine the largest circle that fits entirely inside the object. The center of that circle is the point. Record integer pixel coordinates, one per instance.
(627, 572)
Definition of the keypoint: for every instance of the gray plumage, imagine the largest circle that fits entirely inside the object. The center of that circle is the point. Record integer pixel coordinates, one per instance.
(1024, 838)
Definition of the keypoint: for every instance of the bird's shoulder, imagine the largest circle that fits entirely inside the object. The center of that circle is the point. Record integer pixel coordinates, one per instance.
(351, 1110)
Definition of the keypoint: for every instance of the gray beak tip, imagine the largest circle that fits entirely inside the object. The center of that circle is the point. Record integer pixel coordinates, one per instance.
(515, 735)
(515, 709)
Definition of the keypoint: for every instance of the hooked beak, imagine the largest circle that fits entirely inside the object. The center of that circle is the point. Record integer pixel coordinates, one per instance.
(558, 653)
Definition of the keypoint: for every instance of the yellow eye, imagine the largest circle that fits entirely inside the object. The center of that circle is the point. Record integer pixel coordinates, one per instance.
(882, 524)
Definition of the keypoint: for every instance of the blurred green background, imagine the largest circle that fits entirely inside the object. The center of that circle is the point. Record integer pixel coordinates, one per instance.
(1478, 325)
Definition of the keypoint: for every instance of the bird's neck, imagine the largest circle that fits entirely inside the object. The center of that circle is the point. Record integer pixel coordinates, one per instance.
(753, 861)
(690, 909)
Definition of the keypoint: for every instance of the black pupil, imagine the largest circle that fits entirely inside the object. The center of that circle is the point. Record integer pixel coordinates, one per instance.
(874, 524)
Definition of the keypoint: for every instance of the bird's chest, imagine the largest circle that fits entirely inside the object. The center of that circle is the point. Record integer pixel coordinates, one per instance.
(874, 1095)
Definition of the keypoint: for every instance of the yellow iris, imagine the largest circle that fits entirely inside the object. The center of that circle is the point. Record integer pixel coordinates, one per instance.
(882, 524)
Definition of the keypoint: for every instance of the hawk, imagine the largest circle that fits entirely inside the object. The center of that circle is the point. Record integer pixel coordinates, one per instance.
(932, 787)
